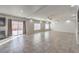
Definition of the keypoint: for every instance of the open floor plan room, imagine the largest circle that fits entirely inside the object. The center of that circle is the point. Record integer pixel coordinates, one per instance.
(38, 29)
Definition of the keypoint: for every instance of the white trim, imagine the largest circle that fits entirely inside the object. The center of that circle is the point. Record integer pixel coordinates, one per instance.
(4, 41)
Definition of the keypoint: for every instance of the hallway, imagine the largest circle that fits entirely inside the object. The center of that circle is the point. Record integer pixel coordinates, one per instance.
(43, 42)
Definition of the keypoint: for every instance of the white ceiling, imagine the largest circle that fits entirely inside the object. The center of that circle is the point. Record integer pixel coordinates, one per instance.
(39, 11)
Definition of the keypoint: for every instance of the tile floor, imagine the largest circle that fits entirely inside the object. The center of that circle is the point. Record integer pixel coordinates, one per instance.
(43, 42)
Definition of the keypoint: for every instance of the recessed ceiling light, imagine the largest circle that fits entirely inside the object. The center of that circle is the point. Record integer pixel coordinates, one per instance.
(68, 21)
(73, 14)
(31, 20)
(72, 5)
(40, 21)
(21, 11)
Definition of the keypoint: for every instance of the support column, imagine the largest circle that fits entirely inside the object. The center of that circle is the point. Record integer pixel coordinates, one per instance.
(29, 27)
(50, 26)
(43, 26)
(9, 27)
(24, 27)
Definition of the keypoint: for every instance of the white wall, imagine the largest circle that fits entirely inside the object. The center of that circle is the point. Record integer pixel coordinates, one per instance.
(64, 27)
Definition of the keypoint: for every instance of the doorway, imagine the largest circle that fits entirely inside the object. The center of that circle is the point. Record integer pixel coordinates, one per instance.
(17, 28)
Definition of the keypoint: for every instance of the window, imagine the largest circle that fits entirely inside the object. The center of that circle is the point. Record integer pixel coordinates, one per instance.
(37, 26)
(46, 26)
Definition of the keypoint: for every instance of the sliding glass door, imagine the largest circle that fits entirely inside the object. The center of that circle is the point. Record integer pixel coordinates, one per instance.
(17, 27)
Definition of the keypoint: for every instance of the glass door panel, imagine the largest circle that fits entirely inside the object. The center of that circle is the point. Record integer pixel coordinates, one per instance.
(14, 27)
(20, 27)
(17, 28)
